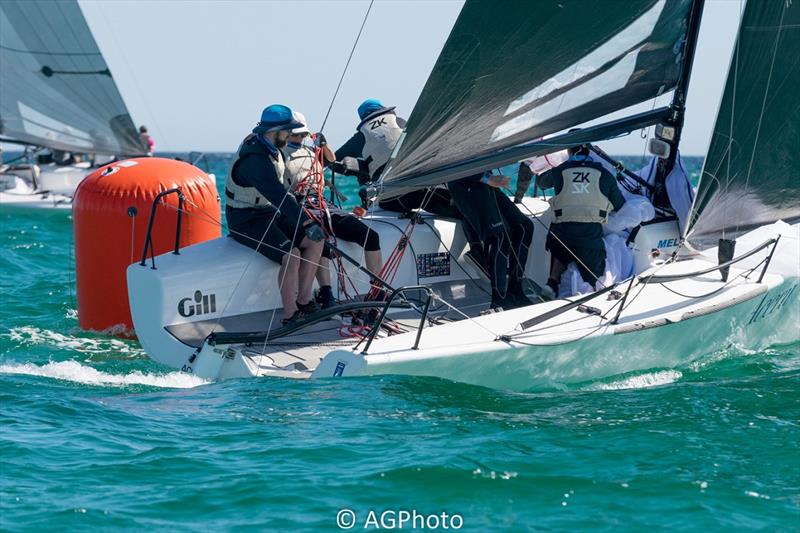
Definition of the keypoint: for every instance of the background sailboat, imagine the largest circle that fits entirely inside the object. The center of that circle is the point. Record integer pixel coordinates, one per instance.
(57, 93)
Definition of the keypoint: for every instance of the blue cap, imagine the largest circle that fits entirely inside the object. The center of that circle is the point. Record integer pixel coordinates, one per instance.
(276, 117)
(369, 106)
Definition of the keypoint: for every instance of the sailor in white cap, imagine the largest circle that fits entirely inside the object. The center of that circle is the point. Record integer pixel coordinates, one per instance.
(299, 155)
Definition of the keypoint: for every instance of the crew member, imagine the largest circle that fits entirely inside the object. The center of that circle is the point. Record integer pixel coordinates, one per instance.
(372, 145)
(585, 193)
(377, 134)
(147, 141)
(299, 164)
(265, 216)
(505, 231)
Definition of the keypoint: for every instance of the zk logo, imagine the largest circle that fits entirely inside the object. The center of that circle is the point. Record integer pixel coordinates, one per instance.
(580, 182)
(202, 304)
(377, 123)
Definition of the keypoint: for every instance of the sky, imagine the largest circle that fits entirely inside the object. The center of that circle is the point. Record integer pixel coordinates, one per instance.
(198, 73)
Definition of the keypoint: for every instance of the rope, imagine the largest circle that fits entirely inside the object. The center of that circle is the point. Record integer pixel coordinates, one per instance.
(352, 51)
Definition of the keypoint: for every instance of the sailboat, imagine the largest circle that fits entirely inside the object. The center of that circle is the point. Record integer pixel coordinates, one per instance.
(500, 92)
(59, 101)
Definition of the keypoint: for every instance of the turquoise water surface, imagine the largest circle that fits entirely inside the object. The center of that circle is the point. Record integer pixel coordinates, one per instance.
(94, 435)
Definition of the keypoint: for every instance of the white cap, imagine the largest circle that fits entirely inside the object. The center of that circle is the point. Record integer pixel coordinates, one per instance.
(299, 117)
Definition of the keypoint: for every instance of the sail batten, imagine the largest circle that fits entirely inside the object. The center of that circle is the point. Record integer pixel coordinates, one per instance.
(512, 74)
(751, 174)
(56, 89)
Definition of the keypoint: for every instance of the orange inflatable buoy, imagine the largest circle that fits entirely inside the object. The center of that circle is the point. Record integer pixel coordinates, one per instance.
(111, 210)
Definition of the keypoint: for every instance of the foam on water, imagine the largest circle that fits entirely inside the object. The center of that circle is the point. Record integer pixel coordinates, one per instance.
(79, 373)
(642, 381)
(27, 335)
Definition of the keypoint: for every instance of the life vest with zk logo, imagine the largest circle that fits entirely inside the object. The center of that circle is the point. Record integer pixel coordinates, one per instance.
(381, 133)
(240, 197)
(580, 198)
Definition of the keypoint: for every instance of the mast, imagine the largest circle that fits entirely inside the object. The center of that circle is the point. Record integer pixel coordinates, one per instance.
(673, 126)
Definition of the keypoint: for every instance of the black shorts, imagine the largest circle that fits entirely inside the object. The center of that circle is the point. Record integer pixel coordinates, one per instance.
(349, 228)
(272, 239)
(593, 258)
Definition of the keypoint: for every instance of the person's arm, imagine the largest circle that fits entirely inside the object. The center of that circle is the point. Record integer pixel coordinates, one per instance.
(609, 187)
(354, 147)
(546, 179)
(258, 172)
(327, 153)
(524, 177)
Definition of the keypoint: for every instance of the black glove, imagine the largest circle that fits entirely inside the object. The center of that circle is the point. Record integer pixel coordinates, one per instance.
(314, 232)
(320, 139)
(524, 177)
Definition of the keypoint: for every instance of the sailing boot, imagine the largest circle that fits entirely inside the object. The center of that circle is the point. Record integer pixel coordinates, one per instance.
(325, 297)
(308, 308)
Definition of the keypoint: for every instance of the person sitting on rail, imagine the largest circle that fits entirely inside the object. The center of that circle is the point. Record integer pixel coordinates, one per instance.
(300, 159)
(263, 215)
(505, 231)
(585, 194)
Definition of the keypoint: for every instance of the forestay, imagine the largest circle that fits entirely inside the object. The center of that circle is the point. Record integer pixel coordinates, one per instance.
(751, 175)
(511, 74)
(57, 90)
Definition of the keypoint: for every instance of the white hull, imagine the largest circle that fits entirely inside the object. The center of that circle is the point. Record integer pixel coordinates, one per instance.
(52, 188)
(663, 325)
(666, 339)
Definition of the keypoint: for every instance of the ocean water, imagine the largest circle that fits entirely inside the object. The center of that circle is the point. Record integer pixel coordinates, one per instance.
(94, 435)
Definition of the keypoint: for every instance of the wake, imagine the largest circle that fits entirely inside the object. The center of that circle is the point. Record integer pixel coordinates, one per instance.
(75, 372)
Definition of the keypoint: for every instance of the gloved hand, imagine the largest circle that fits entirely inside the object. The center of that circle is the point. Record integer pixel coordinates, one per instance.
(314, 232)
(320, 139)
(499, 181)
(524, 177)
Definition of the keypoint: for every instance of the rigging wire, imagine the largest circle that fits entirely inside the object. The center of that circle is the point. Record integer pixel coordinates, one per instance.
(139, 91)
(352, 51)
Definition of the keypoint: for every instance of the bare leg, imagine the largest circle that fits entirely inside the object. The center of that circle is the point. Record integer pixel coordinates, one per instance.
(374, 261)
(554, 279)
(288, 282)
(310, 252)
(324, 272)
(556, 269)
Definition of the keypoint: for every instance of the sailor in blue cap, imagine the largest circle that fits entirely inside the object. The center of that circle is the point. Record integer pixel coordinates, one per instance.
(262, 213)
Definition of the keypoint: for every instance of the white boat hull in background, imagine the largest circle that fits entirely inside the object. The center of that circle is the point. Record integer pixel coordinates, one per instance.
(53, 189)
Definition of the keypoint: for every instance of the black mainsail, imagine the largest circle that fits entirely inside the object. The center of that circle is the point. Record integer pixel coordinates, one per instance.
(56, 90)
(534, 70)
(751, 175)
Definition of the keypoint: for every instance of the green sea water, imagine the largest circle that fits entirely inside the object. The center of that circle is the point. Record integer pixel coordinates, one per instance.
(93, 435)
